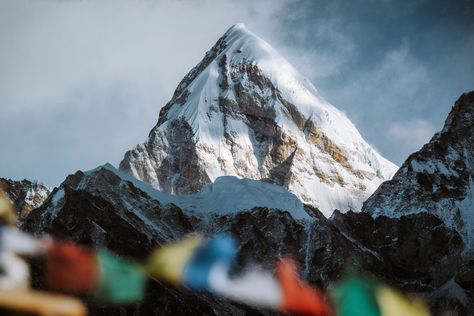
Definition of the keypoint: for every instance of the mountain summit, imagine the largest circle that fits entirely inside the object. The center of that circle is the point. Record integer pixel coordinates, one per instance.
(245, 111)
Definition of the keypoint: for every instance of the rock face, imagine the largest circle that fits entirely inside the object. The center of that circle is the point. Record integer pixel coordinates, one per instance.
(104, 208)
(244, 111)
(25, 195)
(438, 179)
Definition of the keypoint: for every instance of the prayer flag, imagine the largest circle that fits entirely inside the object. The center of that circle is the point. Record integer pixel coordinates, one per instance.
(7, 213)
(168, 261)
(16, 241)
(253, 287)
(71, 269)
(394, 303)
(299, 297)
(120, 281)
(14, 272)
(355, 297)
(219, 249)
(16, 303)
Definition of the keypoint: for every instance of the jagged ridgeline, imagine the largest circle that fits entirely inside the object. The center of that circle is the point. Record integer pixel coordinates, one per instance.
(244, 111)
(439, 178)
(25, 195)
(105, 208)
(415, 252)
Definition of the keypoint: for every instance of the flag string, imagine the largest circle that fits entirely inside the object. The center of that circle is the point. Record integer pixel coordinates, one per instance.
(194, 262)
(197, 263)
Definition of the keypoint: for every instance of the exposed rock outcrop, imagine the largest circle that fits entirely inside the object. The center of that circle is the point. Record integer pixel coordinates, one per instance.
(25, 195)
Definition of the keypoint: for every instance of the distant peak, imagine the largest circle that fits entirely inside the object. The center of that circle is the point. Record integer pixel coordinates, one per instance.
(236, 31)
(237, 27)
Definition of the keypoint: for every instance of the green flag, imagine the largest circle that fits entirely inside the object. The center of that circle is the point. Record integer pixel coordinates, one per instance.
(120, 281)
(355, 297)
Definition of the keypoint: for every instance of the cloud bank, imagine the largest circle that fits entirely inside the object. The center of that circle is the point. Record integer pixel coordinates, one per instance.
(83, 81)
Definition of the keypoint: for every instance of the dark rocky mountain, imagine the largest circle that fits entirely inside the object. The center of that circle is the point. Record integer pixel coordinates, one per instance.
(438, 179)
(103, 208)
(25, 195)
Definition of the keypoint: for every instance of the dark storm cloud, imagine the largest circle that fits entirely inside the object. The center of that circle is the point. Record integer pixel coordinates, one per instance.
(83, 81)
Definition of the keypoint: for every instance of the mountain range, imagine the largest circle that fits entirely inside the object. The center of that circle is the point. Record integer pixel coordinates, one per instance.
(247, 146)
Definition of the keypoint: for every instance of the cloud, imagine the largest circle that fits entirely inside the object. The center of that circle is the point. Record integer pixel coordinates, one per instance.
(383, 61)
(401, 72)
(319, 52)
(393, 89)
(81, 82)
(51, 47)
(382, 88)
(413, 133)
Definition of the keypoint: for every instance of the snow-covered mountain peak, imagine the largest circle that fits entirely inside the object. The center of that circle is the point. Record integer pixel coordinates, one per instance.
(239, 51)
(242, 42)
(237, 27)
(245, 111)
(239, 32)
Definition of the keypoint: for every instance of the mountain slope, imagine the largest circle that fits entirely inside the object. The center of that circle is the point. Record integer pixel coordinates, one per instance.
(24, 194)
(245, 111)
(439, 178)
(104, 208)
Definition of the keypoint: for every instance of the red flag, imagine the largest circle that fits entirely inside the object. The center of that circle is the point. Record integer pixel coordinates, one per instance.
(299, 297)
(71, 269)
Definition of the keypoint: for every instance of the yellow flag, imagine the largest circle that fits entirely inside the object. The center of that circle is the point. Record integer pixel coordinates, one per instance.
(168, 262)
(7, 214)
(393, 303)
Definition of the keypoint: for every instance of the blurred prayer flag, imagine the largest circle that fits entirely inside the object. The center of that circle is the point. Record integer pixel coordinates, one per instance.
(120, 281)
(394, 303)
(355, 297)
(7, 212)
(168, 261)
(71, 269)
(37, 303)
(219, 249)
(299, 297)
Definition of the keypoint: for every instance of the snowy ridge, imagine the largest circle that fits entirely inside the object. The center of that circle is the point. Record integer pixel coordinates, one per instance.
(244, 111)
(230, 194)
(226, 195)
(439, 178)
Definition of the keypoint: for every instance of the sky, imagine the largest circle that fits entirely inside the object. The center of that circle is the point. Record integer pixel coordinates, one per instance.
(82, 82)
